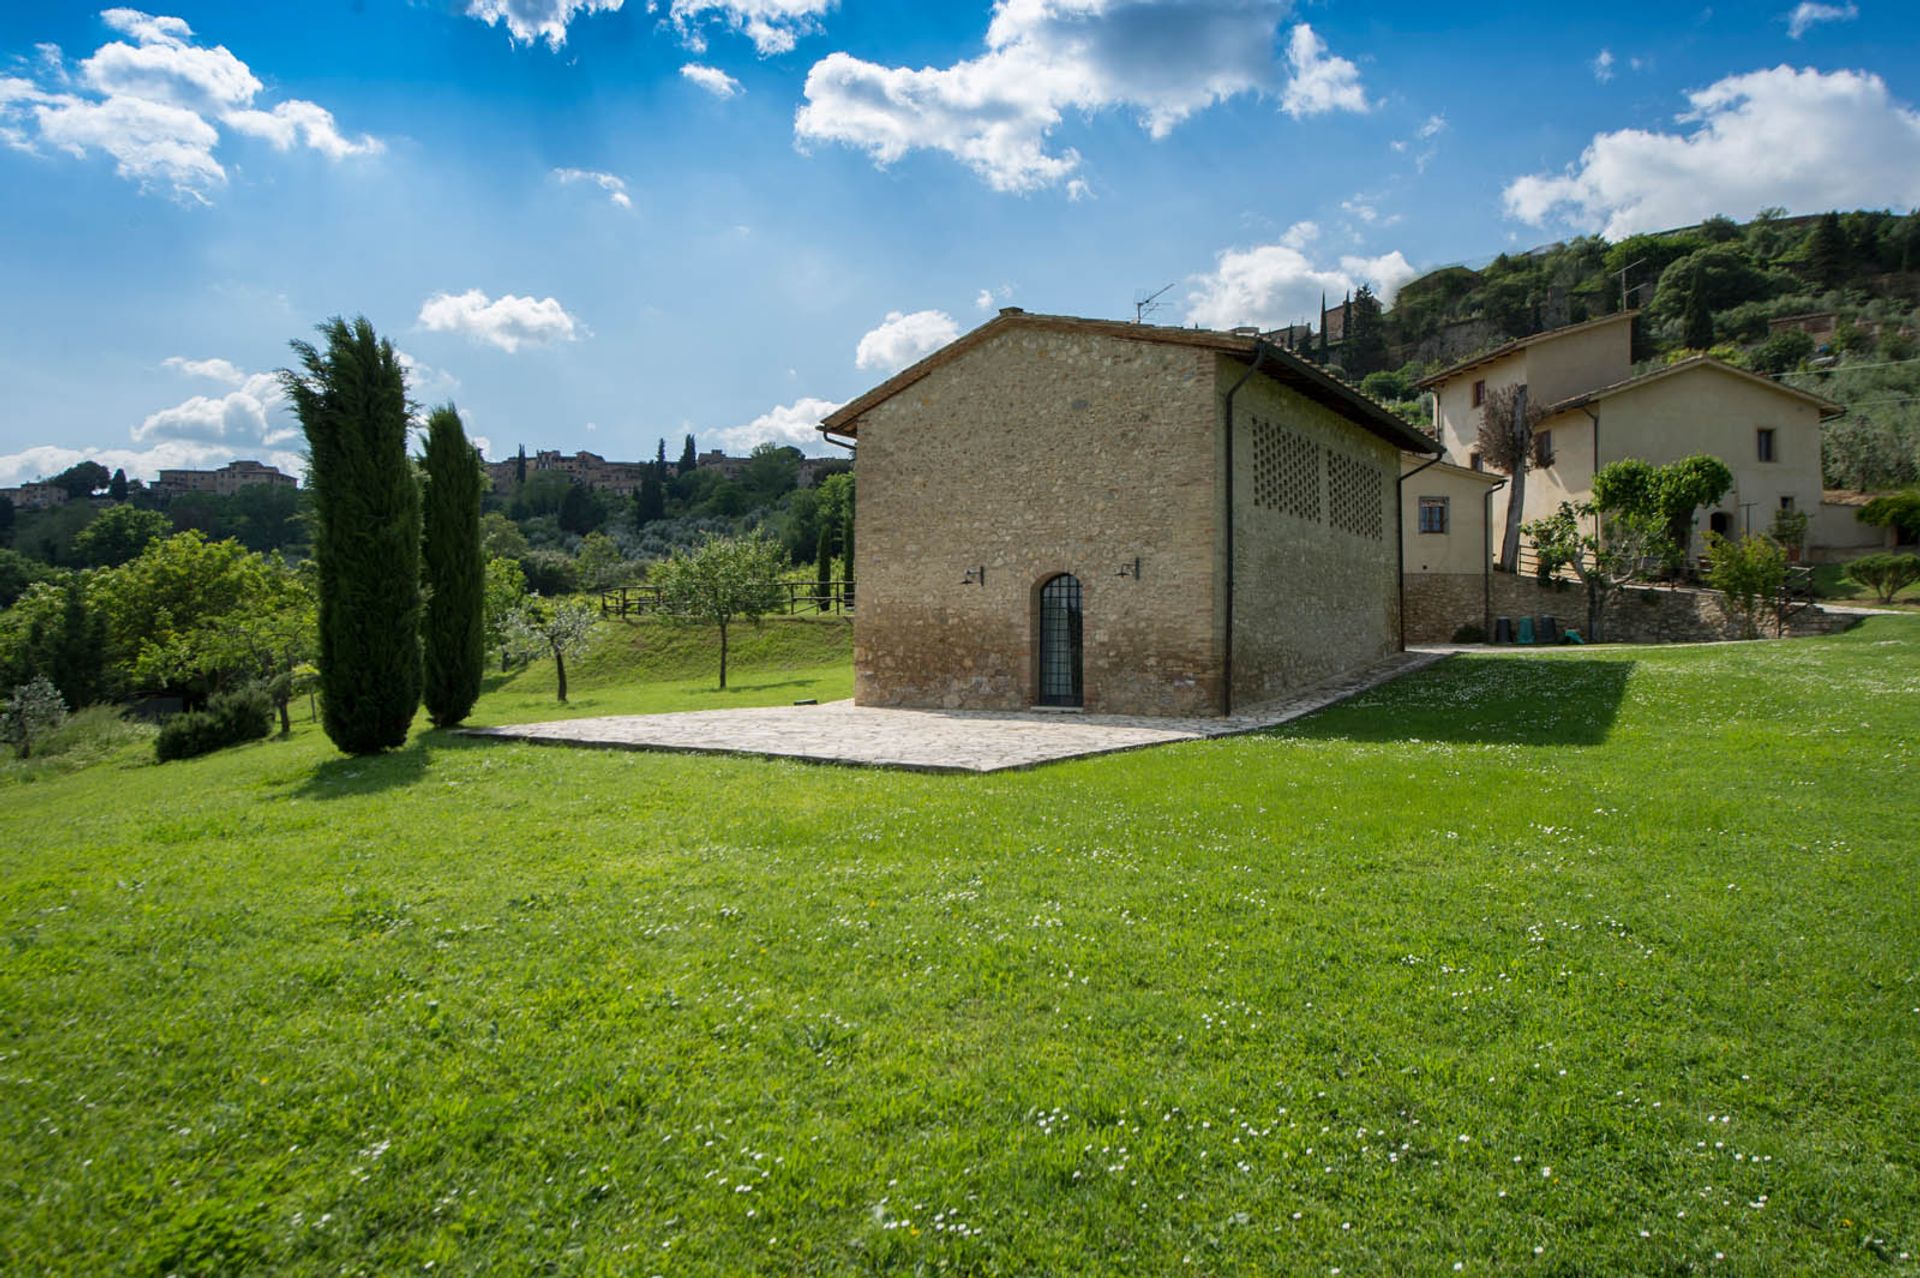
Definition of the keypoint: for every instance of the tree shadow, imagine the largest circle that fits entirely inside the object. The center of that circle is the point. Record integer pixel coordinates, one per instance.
(1492, 700)
(354, 776)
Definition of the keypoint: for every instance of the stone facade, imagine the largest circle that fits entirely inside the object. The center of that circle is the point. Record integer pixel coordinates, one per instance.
(1438, 604)
(1108, 464)
(1314, 529)
(1104, 454)
(225, 482)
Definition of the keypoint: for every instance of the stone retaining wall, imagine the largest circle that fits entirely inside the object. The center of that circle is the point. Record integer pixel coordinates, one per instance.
(1438, 604)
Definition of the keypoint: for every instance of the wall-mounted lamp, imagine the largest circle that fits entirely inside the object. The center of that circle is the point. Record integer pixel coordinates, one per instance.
(975, 577)
(1130, 570)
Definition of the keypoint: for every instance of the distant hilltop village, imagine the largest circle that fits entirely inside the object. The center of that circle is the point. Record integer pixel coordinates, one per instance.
(623, 478)
(589, 470)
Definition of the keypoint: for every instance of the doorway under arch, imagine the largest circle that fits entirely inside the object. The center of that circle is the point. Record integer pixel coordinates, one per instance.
(1061, 652)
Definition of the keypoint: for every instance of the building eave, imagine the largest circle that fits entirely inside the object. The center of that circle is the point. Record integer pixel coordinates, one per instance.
(1827, 408)
(1519, 344)
(1283, 366)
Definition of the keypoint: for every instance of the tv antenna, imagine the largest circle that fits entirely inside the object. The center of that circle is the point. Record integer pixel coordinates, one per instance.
(1145, 306)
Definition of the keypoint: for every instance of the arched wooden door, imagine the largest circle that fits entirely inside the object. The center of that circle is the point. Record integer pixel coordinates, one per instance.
(1060, 647)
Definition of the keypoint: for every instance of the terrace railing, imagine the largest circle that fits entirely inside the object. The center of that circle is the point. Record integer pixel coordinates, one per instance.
(802, 597)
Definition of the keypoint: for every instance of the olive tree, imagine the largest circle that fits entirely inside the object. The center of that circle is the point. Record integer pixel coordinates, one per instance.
(727, 579)
(34, 710)
(1605, 561)
(539, 628)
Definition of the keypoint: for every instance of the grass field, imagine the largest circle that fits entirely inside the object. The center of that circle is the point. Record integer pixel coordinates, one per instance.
(1602, 961)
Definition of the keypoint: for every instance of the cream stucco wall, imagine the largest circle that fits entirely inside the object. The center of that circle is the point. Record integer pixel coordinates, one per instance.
(1464, 547)
(1837, 533)
(1554, 369)
(1709, 410)
(1316, 587)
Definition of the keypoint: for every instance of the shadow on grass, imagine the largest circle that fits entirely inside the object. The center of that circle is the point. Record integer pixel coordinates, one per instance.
(1486, 701)
(350, 777)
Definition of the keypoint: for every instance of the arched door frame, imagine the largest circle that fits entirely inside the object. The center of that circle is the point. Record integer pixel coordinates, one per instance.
(1059, 647)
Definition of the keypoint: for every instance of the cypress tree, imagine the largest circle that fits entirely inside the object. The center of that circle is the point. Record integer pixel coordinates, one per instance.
(823, 565)
(1827, 249)
(846, 551)
(453, 641)
(520, 465)
(117, 486)
(688, 458)
(352, 403)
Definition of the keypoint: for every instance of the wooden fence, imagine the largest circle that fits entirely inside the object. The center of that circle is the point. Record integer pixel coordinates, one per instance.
(833, 597)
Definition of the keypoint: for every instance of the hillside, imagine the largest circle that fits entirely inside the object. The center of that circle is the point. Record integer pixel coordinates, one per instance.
(1831, 303)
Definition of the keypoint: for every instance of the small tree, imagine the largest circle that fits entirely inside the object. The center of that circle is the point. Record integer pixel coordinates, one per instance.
(352, 402)
(1662, 499)
(453, 638)
(1749, 573)
(117, 486)
(727, 579)
(1505, 443)
(1899, 511)
(688, 459)
(1790, 530)
(119, 534)
(506, 590)
(34, 710)
(600, 563)
(558, 630)
(1604, 563)
(1885, 575)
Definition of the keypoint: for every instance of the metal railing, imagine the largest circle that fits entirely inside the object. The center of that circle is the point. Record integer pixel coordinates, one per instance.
(802, 597)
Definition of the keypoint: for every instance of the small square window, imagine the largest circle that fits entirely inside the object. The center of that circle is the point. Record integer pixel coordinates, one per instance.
(1476, 461)
(1433, 514)
(1543, 449)
(1479, 393)
(1763, 441)
(1786, 503)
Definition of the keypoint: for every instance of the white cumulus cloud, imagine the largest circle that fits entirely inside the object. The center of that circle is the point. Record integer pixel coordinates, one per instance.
(796, 424)
(1321, 82)
(508, 322)
(251, 419)
(712, 79)
(157, 106)
(774, 26)
(530, 20)
(1799, 139)
(1162, 59)
(901, 339)
(615, 187)
(1808, 14)
(1272, 285)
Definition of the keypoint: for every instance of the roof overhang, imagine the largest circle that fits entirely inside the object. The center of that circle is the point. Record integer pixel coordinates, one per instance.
(1282, 366)
(1699, 363)
(1519, 344)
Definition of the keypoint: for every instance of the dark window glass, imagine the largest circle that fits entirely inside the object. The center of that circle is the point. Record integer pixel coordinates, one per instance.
(1433, 514)
(1060, 650)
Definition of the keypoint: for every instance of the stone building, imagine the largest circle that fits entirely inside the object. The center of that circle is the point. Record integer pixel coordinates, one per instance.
(225, 482)
(1120, 517)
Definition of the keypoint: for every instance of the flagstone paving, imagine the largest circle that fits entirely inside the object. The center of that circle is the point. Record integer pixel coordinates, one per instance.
(930, 740)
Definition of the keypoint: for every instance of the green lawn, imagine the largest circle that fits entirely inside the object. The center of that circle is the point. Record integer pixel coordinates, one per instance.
(1575, 963)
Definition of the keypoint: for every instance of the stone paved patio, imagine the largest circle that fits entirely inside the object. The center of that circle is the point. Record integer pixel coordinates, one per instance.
(928, 740)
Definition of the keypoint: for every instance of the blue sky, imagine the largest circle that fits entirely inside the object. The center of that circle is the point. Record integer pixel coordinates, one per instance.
(595, 223)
